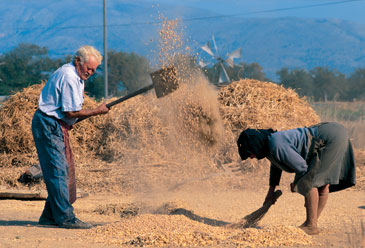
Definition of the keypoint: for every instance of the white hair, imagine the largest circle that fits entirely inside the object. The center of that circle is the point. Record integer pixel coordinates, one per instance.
(85, 52)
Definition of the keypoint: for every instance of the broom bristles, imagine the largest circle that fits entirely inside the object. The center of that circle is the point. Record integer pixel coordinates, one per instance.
(253, 218)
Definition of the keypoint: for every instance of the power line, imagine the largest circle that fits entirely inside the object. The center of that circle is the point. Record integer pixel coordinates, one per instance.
(198, 18)
(274, 10)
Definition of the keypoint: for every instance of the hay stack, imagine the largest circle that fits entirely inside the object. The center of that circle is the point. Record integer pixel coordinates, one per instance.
(187, 128)
(198, 114)
(16, 141)
(131, 130)
(16, 117)
(137, 122)
(251, 103)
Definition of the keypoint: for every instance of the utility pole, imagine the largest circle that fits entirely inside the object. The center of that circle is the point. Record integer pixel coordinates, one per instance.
(105, 55)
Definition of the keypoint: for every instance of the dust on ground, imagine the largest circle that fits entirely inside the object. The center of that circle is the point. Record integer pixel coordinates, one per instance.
(146, 219)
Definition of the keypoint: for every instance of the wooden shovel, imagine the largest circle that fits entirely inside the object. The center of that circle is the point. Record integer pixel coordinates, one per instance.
(164, 81)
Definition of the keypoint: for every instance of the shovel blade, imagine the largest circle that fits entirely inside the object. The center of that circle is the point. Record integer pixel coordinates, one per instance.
(164, 81)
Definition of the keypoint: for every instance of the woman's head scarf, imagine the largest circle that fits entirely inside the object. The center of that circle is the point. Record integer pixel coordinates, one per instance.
(254, 141)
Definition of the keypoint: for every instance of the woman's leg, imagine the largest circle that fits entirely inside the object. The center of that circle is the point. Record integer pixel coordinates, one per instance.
(323, 196)
(311, 206)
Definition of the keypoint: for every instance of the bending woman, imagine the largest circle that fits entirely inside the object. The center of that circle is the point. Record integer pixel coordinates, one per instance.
(321, 156)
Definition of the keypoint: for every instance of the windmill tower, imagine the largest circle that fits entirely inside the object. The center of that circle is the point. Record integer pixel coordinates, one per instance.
(223, 75)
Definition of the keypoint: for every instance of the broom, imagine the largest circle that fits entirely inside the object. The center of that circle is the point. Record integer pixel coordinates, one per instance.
(253, 218)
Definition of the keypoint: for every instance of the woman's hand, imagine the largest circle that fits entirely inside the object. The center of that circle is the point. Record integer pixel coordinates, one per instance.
(270, 195)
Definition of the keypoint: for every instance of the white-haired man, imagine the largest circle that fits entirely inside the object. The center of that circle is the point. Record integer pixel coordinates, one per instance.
(60, 106)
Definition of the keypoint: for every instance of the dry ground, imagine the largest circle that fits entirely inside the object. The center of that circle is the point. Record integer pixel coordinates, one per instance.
(340, 225)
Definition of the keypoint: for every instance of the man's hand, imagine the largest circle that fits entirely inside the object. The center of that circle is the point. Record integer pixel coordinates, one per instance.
(102, 109)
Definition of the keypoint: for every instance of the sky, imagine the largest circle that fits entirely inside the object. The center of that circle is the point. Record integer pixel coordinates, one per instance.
(351, 10)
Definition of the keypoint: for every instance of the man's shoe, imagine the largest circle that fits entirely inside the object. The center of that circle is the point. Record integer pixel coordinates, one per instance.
(76, 224)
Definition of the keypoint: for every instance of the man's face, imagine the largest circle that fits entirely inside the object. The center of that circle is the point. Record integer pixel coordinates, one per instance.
(86, 69)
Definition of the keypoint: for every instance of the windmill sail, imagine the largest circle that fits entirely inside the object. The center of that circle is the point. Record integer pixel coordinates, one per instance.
(202, 63)
(207, 48)
(233, 55)
(215, 45)
(223, 75)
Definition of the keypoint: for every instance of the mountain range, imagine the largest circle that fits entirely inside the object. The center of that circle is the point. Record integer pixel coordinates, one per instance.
(132, 26)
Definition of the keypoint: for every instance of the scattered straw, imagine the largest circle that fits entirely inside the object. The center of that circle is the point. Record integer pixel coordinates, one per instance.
(149, 230)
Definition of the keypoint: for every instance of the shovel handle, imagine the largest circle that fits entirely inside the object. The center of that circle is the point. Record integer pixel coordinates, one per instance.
(122, 99)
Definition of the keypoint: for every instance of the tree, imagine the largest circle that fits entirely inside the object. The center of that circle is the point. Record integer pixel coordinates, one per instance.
(356, 85)
(127, 72)
(29, 64)
(243, 70)
(320, 83)
(298, 79)
(253, 71)
(328, 84)
(25, 65)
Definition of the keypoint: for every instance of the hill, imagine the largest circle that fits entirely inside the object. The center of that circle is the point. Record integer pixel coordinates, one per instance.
(274, 43)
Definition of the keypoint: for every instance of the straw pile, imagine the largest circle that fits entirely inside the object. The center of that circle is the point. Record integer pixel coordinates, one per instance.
(183, 128)
(251, 103)
(16, 143)
(149, 230)
(198, 113)
(136, 123)
(131, 131)
(15, 115)
(16, 140)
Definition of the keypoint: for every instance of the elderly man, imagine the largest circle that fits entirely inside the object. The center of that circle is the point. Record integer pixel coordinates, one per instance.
(60, 105)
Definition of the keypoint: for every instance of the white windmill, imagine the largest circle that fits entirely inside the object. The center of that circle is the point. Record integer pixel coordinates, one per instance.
(223, 75)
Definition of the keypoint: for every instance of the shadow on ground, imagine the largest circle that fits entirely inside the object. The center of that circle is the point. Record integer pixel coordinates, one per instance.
(18, 223)
(189, 214)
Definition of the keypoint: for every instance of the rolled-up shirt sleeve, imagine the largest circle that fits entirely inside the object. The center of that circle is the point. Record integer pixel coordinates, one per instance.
(71, 98)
